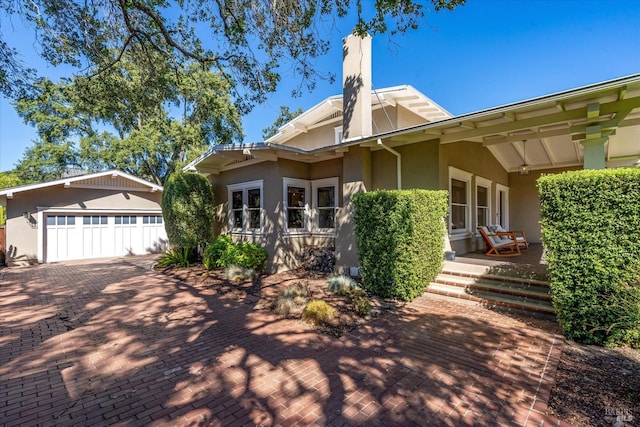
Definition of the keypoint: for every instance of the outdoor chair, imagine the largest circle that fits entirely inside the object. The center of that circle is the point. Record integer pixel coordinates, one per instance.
(500, 243)
(520, 236)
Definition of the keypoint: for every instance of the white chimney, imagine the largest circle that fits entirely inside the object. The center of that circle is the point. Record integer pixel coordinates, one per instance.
(356, 87)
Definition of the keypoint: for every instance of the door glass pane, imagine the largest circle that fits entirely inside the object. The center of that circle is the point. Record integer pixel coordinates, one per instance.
(51, 220)
(118, 219)
(71, 220)
(159, 219)
(125, 219)
(60, 220)
(103, 220)
(95, 219)
(86, 220)
(133, 220)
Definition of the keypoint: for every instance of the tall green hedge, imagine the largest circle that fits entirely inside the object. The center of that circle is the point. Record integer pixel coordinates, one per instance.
(591, 233)
(187, 208)
(400, 240)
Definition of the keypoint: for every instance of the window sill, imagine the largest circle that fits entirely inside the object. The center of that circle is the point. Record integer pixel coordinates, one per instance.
(460, 236)
(247, 233)
(289, 234)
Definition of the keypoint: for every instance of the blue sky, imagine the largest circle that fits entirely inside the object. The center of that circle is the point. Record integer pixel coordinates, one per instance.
(481, 55)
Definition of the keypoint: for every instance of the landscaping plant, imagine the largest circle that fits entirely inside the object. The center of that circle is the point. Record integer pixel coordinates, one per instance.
(318, 312)
(292, 299)
(591, 233)
(223, 252)
(187, 208)
(400, 236)
(341, 284)
(174, 258)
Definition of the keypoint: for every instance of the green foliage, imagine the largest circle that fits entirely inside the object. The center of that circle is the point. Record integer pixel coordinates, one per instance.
(224, 252)
(174, 258)
(213, 252)
(400, 237)
(291, 300)
(10, 179)
(318, 312)
(591, 229)
(361, 305)
(237, 274)
(341, 284)
(187, 208)
(3, 215)
(285, 117)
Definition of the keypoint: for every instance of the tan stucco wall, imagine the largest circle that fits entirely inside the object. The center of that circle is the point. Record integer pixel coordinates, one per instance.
(284, 251)
(22, 234)
(419, 167)
(524, 202)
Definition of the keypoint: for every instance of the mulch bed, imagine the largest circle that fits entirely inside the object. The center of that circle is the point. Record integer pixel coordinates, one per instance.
(594, 386)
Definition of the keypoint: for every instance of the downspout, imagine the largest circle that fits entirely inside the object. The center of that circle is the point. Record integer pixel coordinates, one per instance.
(398, 161)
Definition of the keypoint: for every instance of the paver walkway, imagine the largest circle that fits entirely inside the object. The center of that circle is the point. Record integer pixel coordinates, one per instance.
(109, 342)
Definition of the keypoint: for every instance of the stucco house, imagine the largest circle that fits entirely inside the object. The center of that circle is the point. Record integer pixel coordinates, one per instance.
(104, 214)
(294, 189)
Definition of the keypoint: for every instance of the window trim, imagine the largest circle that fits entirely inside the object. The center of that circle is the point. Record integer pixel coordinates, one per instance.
(338, 134)
(302, 183)
(326, 182)
(245, 187)
(460, 175)
(311, 204)
(483, 182)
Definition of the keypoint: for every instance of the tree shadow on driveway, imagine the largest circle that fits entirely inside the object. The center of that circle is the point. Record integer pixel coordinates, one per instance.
(102, 343)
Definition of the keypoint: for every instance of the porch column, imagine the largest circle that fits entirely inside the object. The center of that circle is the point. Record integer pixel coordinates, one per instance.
(594, 157)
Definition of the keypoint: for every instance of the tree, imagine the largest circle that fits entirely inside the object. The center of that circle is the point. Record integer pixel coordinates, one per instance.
(187, 209)
(285, 116)
(10, 179)
(157, 125)
(247, 41)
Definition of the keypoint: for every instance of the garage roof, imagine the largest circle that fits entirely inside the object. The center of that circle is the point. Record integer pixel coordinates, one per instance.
(110, 179)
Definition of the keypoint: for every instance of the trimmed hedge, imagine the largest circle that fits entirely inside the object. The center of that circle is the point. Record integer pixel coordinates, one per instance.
(400, 237)
(591, 233)
(223, 252)
(187, 208)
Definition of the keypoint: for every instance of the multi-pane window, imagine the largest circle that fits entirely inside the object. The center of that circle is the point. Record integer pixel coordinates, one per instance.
(483, 201)
(152, 219)
(245, 207)
(94, 219)
(61, 220)
(296, 206)
(125, 219)
(460, 201)
(482, 205)
(310, 206)
(458, 205)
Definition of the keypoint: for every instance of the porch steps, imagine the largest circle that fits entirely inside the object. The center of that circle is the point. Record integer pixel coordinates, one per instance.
(476, 283)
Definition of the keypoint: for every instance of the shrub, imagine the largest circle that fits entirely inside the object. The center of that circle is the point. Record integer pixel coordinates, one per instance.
(361, 305)
(292, 299)
(341, 284)
(237, 274)
(318, 312)
(400, 237)
(187, 208)
(591, 229)
(223, 253)
(174, 257)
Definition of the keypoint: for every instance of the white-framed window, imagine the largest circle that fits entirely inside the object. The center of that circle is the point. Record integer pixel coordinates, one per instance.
(483, 201)
(310, 206)
(246, 207)
(459, 201)
(337, 134)
(325, 203)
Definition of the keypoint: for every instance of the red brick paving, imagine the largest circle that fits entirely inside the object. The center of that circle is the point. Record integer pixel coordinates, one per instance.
(108, 342)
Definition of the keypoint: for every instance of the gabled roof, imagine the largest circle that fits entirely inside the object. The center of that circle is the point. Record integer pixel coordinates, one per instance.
(110, 179)
(330, 110)
(554, 127)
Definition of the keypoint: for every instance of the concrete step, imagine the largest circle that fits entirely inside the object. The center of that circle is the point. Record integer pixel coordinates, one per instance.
(520, 287)
(516, 291)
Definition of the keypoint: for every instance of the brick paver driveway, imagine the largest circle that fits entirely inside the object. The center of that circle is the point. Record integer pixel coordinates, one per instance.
(109, 342)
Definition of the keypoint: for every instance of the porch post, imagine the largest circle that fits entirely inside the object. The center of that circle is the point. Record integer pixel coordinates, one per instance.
(594, 153)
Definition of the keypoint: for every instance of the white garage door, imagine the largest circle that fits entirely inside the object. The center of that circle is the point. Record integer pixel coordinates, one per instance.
(70, 237)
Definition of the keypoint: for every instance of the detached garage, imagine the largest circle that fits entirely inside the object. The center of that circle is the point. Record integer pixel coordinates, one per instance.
(103, 214)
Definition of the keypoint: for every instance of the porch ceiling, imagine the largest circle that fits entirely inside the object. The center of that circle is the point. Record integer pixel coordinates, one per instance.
(554, 127)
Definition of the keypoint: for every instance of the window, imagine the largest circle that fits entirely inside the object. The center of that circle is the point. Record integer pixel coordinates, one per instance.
(152, 219)
(245, 207)
(338, 134)
(61, 220)
(95, 219)
(483, 201)
(459, 209)
(316, 214)
(125, 219)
